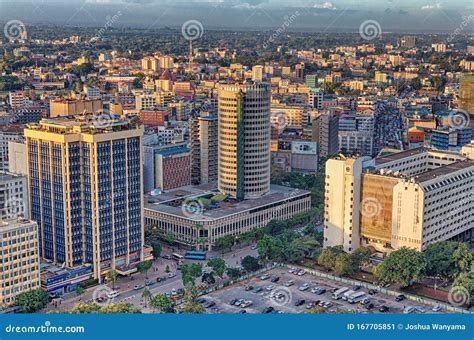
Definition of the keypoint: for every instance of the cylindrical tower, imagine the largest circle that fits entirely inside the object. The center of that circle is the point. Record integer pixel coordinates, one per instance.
(244, 139)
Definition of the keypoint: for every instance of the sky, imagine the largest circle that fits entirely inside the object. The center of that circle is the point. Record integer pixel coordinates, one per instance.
(316, 15)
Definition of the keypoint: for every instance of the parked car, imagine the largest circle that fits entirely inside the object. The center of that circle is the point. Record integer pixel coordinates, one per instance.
(372, 291)
(209, 304)
(383, 309)
(201, 300)
(248, 288)
(369, 306)
(246, 304)
(299, 302)
(268, 310)
(437, 308)
(265, 277)
(328, 305)
(400, 297)
(243, 311)
(270, 287)
(171, 275)
(289, 283)
(408, 310)
(275, 279)
(365, 301)
(232, 302)
(420, 309)
(138, 287)
(257, 289)
(303, 287)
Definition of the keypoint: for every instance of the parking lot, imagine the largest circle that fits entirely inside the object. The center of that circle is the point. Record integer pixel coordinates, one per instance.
(263, 295)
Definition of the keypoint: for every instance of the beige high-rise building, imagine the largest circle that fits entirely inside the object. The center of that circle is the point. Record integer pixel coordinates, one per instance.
(19, 258)
(203, 143)
(257, 73)
(406, 199)
(244, 139)
(70, 107)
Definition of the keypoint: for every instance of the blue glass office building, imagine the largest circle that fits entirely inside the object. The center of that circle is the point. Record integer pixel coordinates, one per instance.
(86, 192)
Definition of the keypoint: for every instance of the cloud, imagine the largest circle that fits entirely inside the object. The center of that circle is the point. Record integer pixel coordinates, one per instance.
(326, 5)
(431, 7)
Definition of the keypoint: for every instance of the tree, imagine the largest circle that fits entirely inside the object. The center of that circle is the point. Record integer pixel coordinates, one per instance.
(156, 249)
(192, 308)
(233, 273)
(225, 242)
(144, 267)
(32, 301)
(218, 266)
(119, 308)
(146, 295)
(208, 278)
(189, 273)
(162, 303)
(403, 266)
(111, 276)
(466, 281)
(344, 264)
(446, 259)
(361, 256)
(328, 256)
(250, 263)
(80, 291)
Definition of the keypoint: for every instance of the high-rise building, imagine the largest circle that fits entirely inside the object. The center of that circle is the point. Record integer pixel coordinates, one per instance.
(85, 185)
(407, 41)
(203, 143)
(67, 106)
(407, 199)
(10, 133)
(315, 98)
(325, 133)
(172, 167)
(244, 139)
(356, 134)
(466, 95)
(19, 256)
(150, 64)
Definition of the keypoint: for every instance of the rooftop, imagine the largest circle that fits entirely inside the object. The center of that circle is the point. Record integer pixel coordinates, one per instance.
(172, 201)
(12, 224)
(400, 155)
(443, 171)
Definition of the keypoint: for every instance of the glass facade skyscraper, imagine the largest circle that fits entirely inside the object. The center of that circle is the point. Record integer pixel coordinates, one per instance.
(85, 186)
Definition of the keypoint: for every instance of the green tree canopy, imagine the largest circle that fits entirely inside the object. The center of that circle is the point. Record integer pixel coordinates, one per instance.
(403, 266)
(250, 263)
(32, 301)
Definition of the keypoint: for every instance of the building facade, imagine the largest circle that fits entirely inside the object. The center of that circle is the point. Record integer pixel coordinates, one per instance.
(411, 198)
(244, 139)
(19, 258)
(204, 144)
(85, 185)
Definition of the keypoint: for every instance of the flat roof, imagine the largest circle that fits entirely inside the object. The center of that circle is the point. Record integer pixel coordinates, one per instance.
(400, 155)
(11, 224)
(164, 203)
(443, 170)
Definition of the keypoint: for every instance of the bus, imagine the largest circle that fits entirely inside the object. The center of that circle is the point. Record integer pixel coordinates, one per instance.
(195, 255)
(346, 295)
(338, 293)
(178, 257)
(356, 297)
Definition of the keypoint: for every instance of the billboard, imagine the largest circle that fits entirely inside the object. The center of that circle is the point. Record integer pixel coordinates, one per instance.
(304, 148)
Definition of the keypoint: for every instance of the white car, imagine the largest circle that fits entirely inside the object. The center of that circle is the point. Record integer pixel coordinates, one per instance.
(113, 294)
(289, 283)
(246, 304)
(437, 308)
(304, 287)
(301, 272)
(265, 277)
(270, 287)
(171, 275)
(174, 292)
(420, 309)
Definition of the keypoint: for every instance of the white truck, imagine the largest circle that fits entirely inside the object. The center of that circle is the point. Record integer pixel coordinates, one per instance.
(346, 295)
(356, 297)
(338, 293)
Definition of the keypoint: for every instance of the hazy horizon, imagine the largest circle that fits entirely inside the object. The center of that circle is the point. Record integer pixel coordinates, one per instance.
(311, 16)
